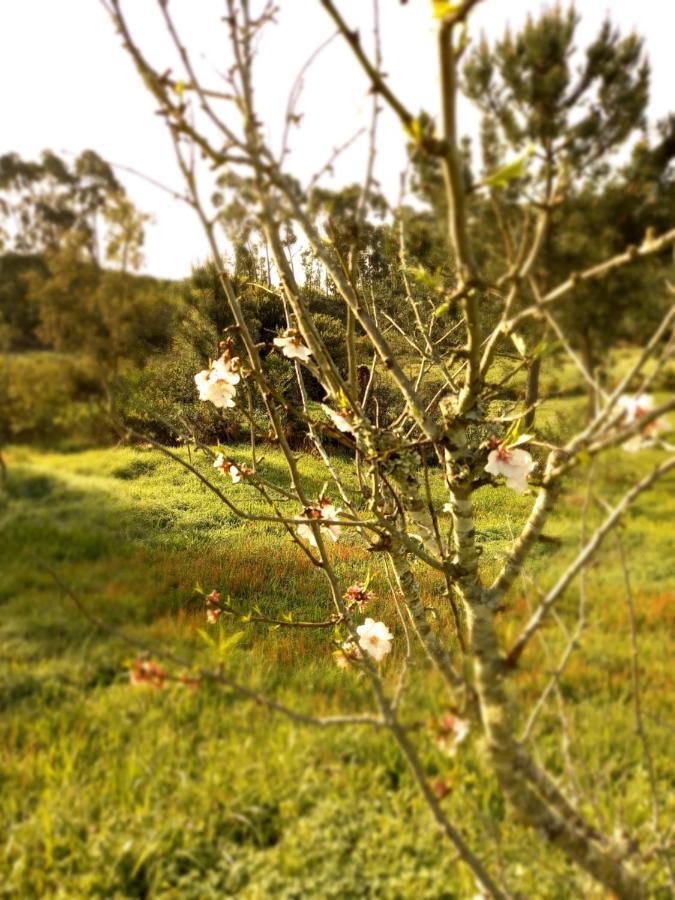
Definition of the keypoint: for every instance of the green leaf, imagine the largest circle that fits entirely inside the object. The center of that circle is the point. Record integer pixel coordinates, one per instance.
(514, 436)
(463, 41)
(179, 88)
(343, 402)
(430, 280)
(228, 643)
(446, 306)
(442, 8)
(543, 348)
(414, 129)
(206, 637)
(521, 439)
(517, 168)
(518, 343)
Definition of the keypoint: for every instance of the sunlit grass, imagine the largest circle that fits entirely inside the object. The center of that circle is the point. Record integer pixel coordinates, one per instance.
(107, 791)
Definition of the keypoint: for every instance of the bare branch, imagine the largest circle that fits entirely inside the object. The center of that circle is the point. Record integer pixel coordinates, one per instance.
(582, 560)
(215, 676)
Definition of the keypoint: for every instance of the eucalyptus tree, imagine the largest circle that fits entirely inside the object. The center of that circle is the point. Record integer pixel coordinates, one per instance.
(469, 431)
(106, 314)
(42, 201)
(49, 207)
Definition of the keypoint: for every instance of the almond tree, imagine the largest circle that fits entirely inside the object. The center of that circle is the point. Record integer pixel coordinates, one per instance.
(467, 431)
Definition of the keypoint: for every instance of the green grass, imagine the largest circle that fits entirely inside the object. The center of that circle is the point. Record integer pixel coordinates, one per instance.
(114, 792)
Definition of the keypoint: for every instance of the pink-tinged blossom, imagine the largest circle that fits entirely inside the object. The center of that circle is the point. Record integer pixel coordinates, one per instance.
(343, 419)
(292, 345)
(217, 384)
(440, 787)
(358, 596)
(634, 409)
(451, 730)
(147, 673)
(347, 654)
(375, 638)
(191, 682)
(515, 464)
(227, 467)
(213, 609)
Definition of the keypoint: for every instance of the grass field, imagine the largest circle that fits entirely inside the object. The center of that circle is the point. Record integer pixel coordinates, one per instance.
(117, 792)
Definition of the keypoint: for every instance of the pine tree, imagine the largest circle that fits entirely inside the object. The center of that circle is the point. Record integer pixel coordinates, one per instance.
(573, 110)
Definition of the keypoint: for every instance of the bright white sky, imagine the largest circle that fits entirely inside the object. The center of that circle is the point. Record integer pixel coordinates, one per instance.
(68, 85)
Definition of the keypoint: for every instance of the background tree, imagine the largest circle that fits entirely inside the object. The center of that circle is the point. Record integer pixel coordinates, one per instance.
(69, 283)
(43, 201)
(532, 94)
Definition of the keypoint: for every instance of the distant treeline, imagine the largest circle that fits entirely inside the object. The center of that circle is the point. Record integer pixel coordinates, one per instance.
(85, 339)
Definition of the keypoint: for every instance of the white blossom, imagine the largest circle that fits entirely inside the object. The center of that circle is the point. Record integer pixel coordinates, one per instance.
(347, 654)
(226, 465)
(213, 608)
(343, 420)
(292, 345)
(515, 464)
(225, 369)
(328, 511)
(217, 383)
(341, 660)
(451, 731)
(375, 638)
(634, 409)
(307, 532)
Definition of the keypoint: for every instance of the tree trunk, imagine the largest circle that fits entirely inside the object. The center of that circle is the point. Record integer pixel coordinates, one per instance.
(534, 795)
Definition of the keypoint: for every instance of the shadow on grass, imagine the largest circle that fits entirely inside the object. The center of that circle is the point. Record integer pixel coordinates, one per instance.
(106, 536)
